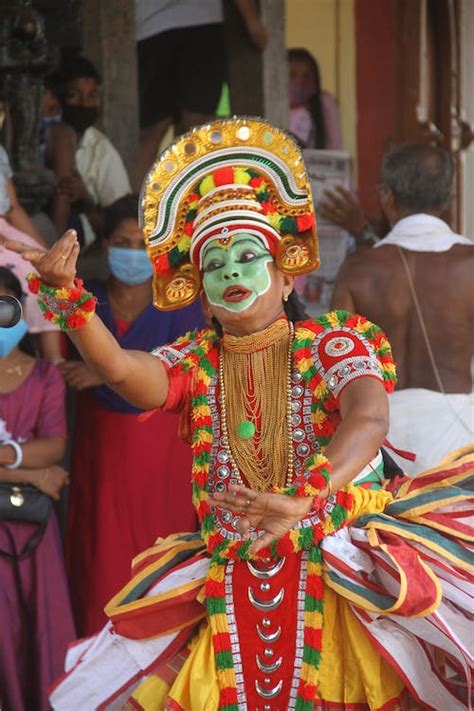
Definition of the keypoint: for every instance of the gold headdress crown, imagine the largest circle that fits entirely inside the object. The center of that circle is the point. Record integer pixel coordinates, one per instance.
(231, 176)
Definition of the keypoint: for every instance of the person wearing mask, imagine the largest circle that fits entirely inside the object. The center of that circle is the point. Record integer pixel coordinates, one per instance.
(35, 615)
(130, 478)
(314, 116)
(90, 172)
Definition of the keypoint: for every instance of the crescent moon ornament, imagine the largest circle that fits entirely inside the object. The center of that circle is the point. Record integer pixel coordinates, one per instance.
(266, 605)
(268, 693)
(268, 637)
(264, 573)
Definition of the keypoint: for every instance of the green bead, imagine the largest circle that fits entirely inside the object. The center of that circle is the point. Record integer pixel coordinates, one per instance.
(245, 429)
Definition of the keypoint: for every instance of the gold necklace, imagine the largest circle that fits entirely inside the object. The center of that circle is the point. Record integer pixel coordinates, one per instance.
(250, 375)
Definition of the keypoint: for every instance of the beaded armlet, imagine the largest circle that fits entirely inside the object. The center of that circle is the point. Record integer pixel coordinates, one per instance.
(67, 308)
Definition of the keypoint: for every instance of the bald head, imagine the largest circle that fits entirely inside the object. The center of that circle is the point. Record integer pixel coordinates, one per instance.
(419, 176)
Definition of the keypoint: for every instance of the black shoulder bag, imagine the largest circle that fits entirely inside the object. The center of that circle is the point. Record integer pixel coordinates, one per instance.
(24, 502)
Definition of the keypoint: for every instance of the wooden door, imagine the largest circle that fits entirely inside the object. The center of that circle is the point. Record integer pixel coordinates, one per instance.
(430, 98)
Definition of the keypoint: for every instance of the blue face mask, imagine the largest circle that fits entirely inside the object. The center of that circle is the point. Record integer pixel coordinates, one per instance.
(10, 337)
(131, 266)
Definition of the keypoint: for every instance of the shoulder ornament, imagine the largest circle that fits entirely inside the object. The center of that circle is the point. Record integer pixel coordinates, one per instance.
(189, 350)
(339, 347)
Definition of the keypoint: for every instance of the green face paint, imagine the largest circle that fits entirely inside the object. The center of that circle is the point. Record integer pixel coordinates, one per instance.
(235, 275)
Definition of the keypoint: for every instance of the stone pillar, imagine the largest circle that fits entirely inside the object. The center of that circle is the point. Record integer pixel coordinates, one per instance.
(109, 42)
(275, 66)
(258, 80)
(25, 57)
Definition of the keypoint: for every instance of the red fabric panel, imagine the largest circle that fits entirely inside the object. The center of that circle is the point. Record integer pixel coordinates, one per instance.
(131, 483)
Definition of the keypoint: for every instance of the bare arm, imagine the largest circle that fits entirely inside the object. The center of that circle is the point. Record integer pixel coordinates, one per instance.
(71, 189)
(364, 425)
(255, 27)
(50, 345)
(62, 158)
(76, 191)
(138, 377)
(19, 218)
(38, 453)
(341, 207)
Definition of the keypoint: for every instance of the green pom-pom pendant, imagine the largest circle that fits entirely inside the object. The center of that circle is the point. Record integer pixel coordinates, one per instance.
(245, 429)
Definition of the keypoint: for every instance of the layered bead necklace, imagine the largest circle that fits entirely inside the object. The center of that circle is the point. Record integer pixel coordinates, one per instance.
(255, 418)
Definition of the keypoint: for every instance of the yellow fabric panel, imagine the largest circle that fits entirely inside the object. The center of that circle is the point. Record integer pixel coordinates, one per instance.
(352, 671)
(152, 694)
(196, 686)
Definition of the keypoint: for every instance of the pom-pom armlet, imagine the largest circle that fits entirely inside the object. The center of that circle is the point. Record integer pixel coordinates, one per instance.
(69, 308)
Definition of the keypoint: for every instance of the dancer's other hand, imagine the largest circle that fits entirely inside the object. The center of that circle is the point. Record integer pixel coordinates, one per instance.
(275, 514)
(57, 267)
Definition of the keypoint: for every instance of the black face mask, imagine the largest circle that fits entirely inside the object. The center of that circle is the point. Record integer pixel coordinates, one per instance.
(80, 117)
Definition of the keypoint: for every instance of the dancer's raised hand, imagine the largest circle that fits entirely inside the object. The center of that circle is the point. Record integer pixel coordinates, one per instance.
(57, 267)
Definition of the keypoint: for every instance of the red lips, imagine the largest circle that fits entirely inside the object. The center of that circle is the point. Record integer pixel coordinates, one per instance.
(236, 293)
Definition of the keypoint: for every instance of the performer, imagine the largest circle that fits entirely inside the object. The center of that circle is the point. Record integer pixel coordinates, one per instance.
(305, 589)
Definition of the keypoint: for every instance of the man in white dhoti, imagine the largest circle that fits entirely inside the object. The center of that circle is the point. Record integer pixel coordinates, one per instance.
(418, 284)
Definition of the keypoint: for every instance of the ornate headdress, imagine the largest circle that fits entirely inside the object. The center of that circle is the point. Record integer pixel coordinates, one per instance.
(228, 177)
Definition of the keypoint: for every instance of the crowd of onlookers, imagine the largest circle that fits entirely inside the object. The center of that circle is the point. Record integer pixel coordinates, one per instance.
(129, 477)
(129, 473)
